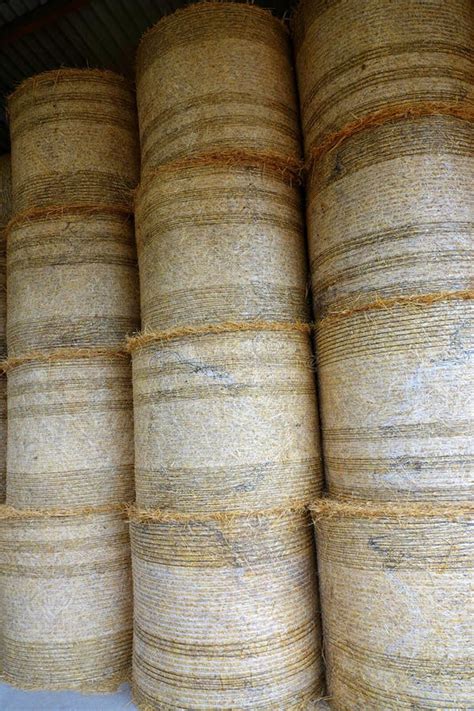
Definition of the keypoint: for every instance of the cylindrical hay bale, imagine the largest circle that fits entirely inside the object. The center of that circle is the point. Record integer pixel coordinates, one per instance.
(74, 139)
(215, 77)
(220, 242)
(72, 280)
(66, 600)
(394, 384)
(225, 421)
(70, 438)
(357, 57)
(396, 594)
(226, 612)
(390, 213)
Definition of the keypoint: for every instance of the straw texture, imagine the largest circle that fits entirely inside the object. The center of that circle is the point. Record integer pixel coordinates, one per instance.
(65, 594)
(390, 213)
(390, 231)
(225, 613)
(231, 64)
(72, 279)
(397, 606)
(71, 432)
(395, 385)
(5, 212)
(226, 421)
(74, 139)
(354, 58)
(220, 242)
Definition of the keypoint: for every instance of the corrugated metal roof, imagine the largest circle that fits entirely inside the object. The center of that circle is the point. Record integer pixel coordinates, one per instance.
(98, 33)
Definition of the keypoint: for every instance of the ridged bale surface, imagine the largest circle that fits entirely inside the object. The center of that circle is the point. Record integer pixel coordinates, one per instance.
(390, 232)
(72, 280)
(225, 612)
(226, 421)
(356, 57)
(74, 139)
(66, 599)
(5, 213)
(396, 594)
(215, 77)
(395, 391)
(390, 213)
(220, 241)
(71, 432)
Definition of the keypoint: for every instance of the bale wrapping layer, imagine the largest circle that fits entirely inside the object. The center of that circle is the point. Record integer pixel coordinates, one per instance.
(226, 421)
(65, 595)
(72, 280)
(71, 432)
(354, 58)
(74, 139)
(396, 594)
(390, 213)
(220, 241)
(394, 391)
(225, 612)
(232, 66)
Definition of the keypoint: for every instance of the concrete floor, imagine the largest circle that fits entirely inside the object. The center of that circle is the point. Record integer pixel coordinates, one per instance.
(15, 700)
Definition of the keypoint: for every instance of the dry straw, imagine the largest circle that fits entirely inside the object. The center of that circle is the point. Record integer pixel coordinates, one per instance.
(70, 441)
(389, 213)
(232, 64)
(393, 389)
(225, 612)
(225, 418)
(72, 279)
(355, 58)
(396, 589)
(74, 139)
(220, 241)
(5, 212)
(65, 597)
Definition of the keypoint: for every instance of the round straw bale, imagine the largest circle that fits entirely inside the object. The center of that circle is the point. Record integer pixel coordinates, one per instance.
(226, 612)
(226, 421)
(396, 595)
(70, 439)
(74, 139)
(220, 242)
(72, 280)
(389, 214)
(356, 57)
(395, 384)
(66, 601)
(216, 76)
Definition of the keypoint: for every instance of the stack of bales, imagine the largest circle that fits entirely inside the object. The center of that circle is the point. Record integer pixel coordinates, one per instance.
(387, 111)
(226, 426)
(5, 211)
(72, 299)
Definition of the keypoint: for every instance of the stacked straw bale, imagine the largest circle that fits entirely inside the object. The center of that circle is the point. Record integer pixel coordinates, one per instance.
(66, 599)
(5, 212)
(396, 591)
(387, 110)
(72, 300)
(216, 77)
(226, 431)
(74, 140)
